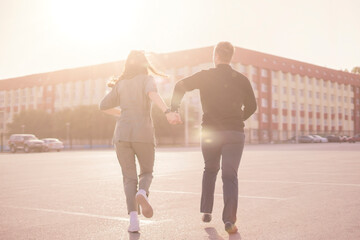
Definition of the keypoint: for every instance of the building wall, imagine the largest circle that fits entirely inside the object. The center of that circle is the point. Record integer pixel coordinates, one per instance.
(292, 96)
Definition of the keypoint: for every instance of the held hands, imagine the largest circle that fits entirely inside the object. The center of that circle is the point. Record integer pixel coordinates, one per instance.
(173, 118)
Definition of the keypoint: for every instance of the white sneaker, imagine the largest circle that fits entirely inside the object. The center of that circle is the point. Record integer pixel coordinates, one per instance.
(134, 223)
(143, 201)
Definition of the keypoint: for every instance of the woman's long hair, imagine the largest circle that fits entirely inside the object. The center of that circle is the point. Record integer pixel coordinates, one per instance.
(135, 64)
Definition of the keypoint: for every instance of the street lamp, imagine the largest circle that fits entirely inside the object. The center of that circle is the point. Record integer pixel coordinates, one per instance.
(68, 133)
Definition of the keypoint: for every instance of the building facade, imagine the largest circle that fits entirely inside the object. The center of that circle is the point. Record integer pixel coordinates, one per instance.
(293, 97)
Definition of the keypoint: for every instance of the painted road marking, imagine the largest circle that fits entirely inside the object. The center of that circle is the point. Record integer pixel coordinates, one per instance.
(143, 222)
(218, 194)
(305, 183)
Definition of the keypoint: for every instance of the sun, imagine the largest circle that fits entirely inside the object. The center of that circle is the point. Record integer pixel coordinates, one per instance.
(94, 20)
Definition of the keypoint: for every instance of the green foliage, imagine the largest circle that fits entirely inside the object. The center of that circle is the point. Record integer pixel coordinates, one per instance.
(356, 70)
(84, 122)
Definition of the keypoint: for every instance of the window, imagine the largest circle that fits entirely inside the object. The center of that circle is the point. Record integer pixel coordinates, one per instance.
(274, 89)
(284, 119)
(263, 87)
(49, 88)
(254, 86)
(274, 104)
(302, 107)
(301, 92)
(253, 70)
(325, 96)
(310, 108)
(284, 105)
(2, 98)
(302, 120)
(324, 84)
(339, 98)
(339, 110)
(254, 133)
(293, 106)
(317, 95)
(293, 119)
(332, 97)
(293, 92)
(273, 74)
(310, 94)
(345, 99)
(317, 108)
(264, 73)
(264, 118)
(317, 82)
(264, 102)
(325, 109)
(284, 90)
(332, 110)
(339, 86)
(274, 118)
(23, 96)
(16, 97)
(309, 81)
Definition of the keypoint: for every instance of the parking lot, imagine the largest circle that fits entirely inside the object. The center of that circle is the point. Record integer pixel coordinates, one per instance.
(286, 191)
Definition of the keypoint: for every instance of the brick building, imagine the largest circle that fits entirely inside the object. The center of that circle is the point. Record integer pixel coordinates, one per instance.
(293, 97)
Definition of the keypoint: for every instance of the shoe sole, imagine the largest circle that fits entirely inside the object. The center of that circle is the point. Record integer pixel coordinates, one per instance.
(146, 208)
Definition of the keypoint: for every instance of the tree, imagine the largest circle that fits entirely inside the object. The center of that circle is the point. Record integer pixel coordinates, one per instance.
(36, 122)
(356, 70)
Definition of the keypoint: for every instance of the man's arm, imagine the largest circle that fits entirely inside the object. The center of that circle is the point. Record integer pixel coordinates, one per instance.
(250, 105)
(183, 86)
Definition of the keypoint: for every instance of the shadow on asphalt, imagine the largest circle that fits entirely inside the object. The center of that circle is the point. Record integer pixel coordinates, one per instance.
(213, 235)
(134, 236)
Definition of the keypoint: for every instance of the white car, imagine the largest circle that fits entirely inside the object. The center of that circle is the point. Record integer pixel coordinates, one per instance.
(320, 139)
(52, 144)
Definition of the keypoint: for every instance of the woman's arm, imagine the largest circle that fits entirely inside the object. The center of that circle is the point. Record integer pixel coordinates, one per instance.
(113, 111)
(157, 99)
(172, 117)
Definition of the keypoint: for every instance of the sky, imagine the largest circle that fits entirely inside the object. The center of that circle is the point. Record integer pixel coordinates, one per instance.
(47, 35)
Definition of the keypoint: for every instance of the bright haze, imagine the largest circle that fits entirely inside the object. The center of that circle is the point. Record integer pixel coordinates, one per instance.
(46, 35)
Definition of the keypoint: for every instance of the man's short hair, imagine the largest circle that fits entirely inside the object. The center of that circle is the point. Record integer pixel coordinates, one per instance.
(225, 51)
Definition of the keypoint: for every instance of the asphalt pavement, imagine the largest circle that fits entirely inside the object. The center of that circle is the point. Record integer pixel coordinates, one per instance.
(289, 191)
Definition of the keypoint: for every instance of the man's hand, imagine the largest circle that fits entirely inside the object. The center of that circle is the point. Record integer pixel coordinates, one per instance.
(173, 118)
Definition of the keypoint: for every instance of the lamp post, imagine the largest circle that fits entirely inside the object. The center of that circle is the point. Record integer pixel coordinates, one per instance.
(68, 133)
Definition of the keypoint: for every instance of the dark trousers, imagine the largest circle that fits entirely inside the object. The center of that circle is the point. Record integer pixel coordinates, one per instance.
(228, 146)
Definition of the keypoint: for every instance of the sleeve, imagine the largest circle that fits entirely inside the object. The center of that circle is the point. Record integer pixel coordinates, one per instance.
(183, 86)
(150, 85)
(250, 105)
(111, 100)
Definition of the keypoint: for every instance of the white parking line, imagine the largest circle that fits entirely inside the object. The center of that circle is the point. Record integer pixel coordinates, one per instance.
(143, 222)
(218, 194)
(305, 183)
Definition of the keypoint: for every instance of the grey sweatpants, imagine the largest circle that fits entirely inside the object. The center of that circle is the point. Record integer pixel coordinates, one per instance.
(227, 146)
(145, 153)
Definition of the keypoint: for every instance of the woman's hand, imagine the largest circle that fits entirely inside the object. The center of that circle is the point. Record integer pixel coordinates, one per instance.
(173, 118)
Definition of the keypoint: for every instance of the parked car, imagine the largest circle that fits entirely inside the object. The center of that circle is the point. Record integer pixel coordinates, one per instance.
(52, 144)
(344, 138)
(319, 139)
(302, 139)
(26, 142)
(333, 138)
(355, 138)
